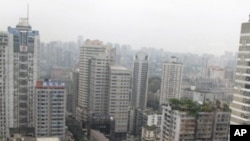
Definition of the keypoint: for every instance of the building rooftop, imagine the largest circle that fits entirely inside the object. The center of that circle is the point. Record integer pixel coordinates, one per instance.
(23, 22)
(47, 139)
(169, 62)
(116, 67)
(150, 111)
(197, 90)
(150, 128)
(49, 84)
(192, 107)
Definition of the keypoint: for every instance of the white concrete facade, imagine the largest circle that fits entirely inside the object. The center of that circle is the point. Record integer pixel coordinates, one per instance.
(241, 97)
(50, 107)
(87, 51)
(119, 87)
(171, 81)
(18, 74)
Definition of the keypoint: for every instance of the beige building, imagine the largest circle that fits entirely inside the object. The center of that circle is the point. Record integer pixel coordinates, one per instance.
(119, 89)
(50, 107)
(99, 78)
(187, 120)
(216, 72)
(241, 98)
(87, 51)
(151, 123)
(150, 133)
(171, 80)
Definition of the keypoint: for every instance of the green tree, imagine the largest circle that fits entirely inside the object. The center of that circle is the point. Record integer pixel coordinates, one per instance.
(75, 128)
(154, 84)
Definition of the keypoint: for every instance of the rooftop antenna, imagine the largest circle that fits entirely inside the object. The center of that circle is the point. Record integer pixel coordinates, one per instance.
(28, 13)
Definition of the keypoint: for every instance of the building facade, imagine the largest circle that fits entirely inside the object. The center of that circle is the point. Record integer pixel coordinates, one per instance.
(50, 107)
(99, 82)
(140, 81)
(19, 71)
(179, 123)
(87, 51)
(241, 98)
(151, 123)
(118, 105)
(150, 133)
(74, 86)
(171, 80)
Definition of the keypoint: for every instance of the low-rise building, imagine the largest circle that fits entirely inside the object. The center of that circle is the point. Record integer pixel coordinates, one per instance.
(151, 117)
(50, 106)
(188, 120)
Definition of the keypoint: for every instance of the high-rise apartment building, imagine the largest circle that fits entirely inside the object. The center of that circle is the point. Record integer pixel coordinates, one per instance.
(118, 98)
(241, 98)
(186, 120)
(99, 82)
(140, 81)
(19, 53)
(87, 51)
(171, 80)
(49, 109)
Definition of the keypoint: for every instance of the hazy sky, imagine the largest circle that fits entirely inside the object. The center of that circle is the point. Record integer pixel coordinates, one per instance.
(195, 26)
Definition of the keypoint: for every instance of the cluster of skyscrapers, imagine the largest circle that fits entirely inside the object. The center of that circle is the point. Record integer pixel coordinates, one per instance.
(111, 96)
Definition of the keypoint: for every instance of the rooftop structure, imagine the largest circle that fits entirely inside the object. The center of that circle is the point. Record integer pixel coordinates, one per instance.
(49, 84)
(187, 105)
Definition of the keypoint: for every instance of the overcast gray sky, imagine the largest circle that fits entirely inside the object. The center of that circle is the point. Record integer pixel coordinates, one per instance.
(195, 26)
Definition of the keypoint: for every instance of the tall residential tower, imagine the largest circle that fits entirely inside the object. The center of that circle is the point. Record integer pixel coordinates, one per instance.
(171, 80)
(19, 51)
(241, 98)
(140, 81)
(87, 51)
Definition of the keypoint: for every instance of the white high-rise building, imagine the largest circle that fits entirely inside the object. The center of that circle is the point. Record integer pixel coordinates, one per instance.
(99, 81)
(50, 107)
(241, 97)
(19, 53)
(87, 51)
(119, 89)
(140, 81)
(109, 86)
(171, 80)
